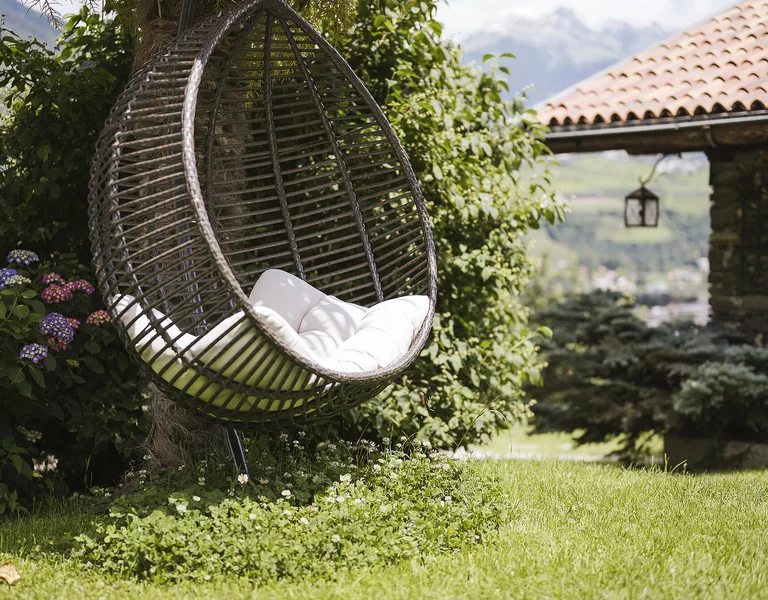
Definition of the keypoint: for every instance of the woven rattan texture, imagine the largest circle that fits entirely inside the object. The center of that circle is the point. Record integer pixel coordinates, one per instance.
(250, 144)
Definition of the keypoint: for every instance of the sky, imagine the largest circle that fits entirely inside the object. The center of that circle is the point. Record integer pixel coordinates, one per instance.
(463, 17)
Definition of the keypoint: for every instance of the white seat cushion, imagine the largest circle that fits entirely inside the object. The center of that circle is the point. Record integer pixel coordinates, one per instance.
(336, 335)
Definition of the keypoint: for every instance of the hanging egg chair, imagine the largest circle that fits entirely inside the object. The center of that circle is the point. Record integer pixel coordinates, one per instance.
(258, 233)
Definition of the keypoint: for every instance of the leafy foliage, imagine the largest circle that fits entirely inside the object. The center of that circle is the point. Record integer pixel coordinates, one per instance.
(77, 409)
(609, 375)
(68, 393)
(473, 154)
(302, 515)
(57, 102)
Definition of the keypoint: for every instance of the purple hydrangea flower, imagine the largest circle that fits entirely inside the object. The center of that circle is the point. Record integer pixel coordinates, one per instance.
(98, 318)
(54, 294)
(22, 257)
(33, 352)
(5, 275)
(56, 326)
(81, 285)
(53, 278)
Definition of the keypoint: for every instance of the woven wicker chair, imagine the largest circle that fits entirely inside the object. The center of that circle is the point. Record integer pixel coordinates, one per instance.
(249, 144)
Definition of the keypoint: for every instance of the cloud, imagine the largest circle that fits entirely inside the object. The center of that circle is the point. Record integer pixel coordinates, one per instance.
(463, 17)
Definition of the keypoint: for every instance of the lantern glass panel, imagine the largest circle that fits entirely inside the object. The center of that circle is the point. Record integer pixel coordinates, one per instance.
(633, 212)
(651, 212)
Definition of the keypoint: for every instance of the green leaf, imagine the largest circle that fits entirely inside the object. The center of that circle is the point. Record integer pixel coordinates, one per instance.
(36, 375)
(25, 389)
(93, 364)
(488, 56)
(21, 310)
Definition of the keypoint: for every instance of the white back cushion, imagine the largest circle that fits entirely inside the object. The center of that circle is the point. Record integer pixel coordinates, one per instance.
(287, 295)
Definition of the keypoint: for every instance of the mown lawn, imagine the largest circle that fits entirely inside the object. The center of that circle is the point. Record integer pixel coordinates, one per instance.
(577, 531)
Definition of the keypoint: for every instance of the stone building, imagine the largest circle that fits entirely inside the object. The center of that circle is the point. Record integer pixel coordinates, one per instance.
(703, 90)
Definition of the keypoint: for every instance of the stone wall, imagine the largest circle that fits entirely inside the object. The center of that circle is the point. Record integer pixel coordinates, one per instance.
(738, 248)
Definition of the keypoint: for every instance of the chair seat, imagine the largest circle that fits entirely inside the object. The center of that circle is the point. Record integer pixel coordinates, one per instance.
(322, 329)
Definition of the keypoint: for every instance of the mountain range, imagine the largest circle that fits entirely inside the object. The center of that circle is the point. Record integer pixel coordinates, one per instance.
(26, 22)
(558, 50)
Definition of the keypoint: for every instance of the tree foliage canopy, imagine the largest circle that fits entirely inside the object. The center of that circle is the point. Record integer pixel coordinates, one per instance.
(475, 155)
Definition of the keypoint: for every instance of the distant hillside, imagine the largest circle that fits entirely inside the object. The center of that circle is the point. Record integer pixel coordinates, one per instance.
(559, 50)
(25, 22)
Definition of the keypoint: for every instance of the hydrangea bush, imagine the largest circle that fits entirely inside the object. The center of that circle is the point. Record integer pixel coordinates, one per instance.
(68, 394)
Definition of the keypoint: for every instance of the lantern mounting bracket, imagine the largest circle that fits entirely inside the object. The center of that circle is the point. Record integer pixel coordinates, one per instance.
(646, 180)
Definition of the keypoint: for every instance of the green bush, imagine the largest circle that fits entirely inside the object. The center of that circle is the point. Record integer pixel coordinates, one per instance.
(302, 515)
(68, 393)
(77, 409)
(474, 154)
(611, 376)
(56, 102)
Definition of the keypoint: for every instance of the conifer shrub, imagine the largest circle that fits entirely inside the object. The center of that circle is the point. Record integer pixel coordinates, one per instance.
(611, 376)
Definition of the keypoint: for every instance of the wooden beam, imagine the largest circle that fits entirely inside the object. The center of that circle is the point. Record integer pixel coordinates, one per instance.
(648, 140)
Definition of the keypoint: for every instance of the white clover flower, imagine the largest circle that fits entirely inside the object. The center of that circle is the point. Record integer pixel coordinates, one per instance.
(242, 479)
(448, 499)
(341, 499)
(377, 468)
(345, 478)
(252, 516)
(403, 438)
(181, 508)
(283, 437)
(201, 481)
(335, 538)
(263, 481)
(426, 444)
(196, 498)
(304, 521)
(302, 434)
(385, 440)
(285, 493)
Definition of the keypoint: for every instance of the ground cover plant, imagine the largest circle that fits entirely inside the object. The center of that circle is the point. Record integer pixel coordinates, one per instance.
(300, 514)
(574, 531)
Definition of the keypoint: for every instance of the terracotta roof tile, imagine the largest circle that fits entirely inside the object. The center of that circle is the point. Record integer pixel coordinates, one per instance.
(719, 66)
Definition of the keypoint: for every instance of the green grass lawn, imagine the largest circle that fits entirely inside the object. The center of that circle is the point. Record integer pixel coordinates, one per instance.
(577, 531)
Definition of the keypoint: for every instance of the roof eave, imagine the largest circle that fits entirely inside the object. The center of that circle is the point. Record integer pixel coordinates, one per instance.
(672, 134)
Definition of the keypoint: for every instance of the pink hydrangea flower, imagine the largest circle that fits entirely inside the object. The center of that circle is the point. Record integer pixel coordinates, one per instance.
(54, 294)
(57, 345)
(73, 323)
(81, 285)
(53, 278)
(98, 318)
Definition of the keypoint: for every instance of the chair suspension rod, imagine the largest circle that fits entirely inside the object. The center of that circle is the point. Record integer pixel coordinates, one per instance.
(187, 15)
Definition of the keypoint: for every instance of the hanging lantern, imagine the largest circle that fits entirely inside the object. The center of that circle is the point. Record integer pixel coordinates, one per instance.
(641, 208)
